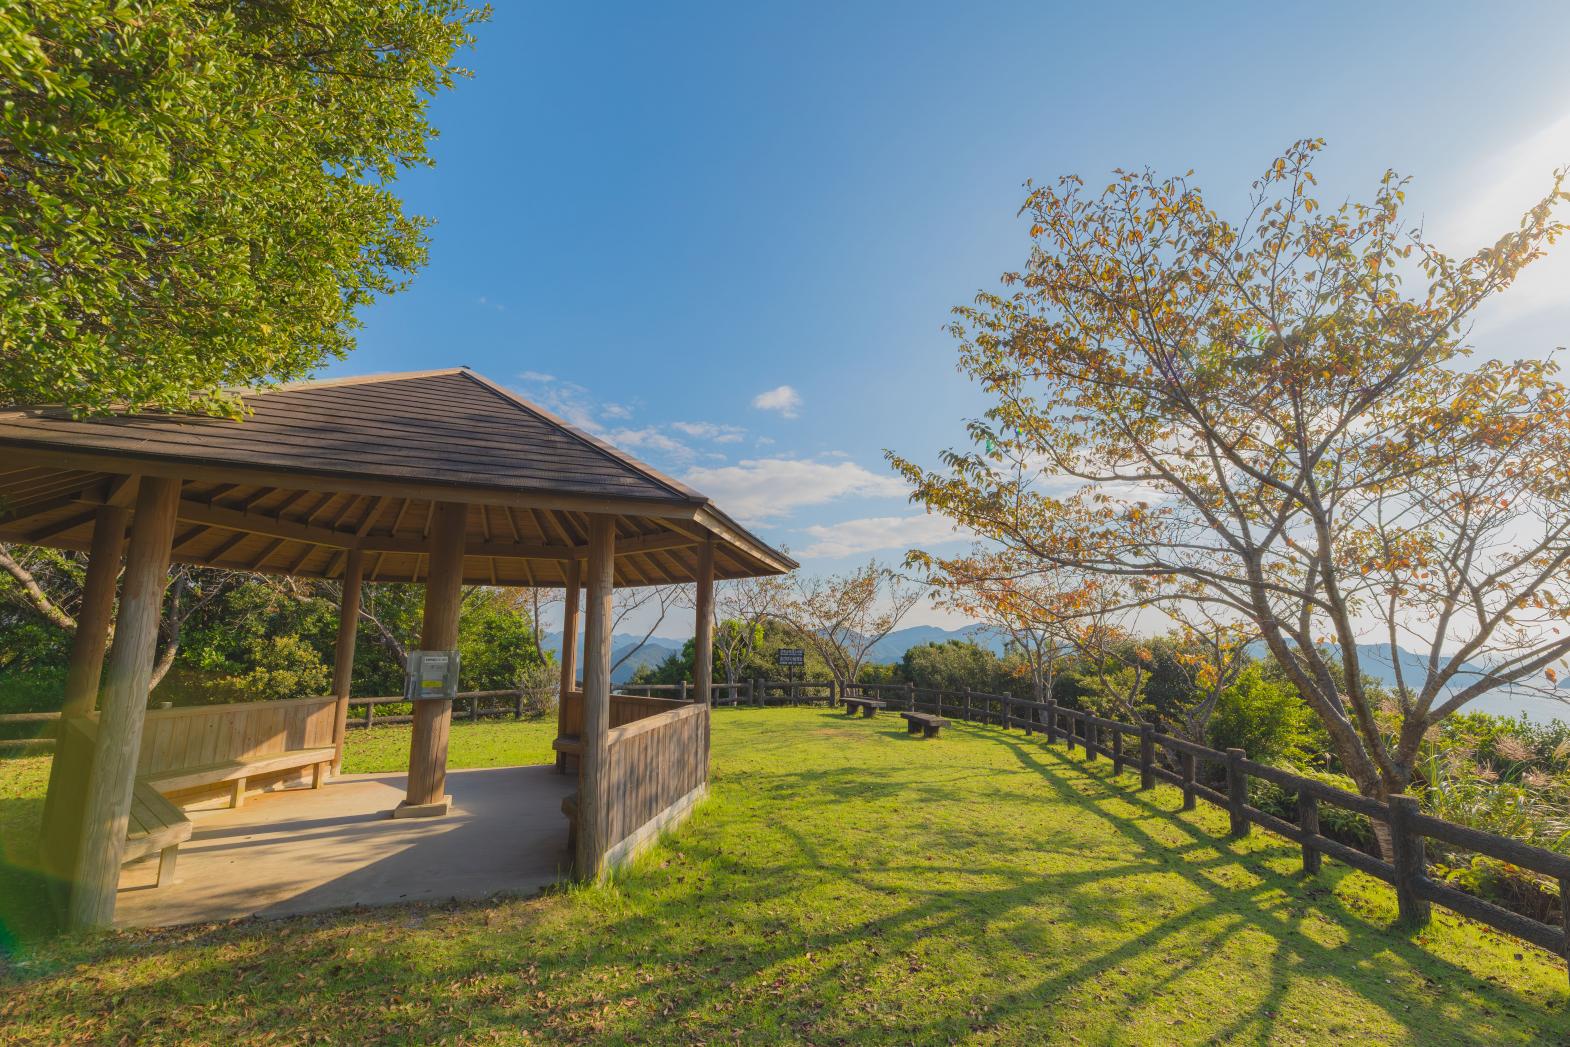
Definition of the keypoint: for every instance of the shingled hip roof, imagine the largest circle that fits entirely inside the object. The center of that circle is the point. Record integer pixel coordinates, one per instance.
(383, 449)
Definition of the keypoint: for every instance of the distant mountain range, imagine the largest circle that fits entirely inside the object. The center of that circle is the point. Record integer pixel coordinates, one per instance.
(1376, 661)
(893, 646)
(652, 653)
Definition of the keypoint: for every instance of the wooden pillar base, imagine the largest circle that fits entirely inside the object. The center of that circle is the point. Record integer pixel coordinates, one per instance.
(422, 810)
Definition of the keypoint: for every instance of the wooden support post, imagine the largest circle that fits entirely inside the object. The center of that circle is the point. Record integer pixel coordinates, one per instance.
(1052, 721)
(84, 672)
(127, 675)
(1030, 719)
(569, 651)
(1070, 729)
(1147, 756)
(1007, 705)
(1308, 821)
(427, 790)
(1117, 751)
(343, 653)
(1410, 860)
(681, 690)
(1237, 793)
(1092, 738)
(1186, 762)
(910, 696)
(593, 772)
(91, 640)
(370, 714)
(968, 714)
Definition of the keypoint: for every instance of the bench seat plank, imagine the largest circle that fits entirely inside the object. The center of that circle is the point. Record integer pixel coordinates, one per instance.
(928, 724)
(235, 770)
(156, 824)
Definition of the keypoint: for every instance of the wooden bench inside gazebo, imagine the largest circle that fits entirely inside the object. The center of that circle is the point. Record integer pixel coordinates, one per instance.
(440, 478)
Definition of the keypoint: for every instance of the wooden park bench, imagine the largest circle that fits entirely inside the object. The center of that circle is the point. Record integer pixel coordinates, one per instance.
(926, 723)
(157, 827)
(236, 772)
(868, 706)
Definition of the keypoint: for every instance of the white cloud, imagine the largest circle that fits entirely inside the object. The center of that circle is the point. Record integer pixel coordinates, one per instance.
(768, 488)
(872, 534)
(616, 411)
(649, 439)
(720, 434)
(783, 399)
(1499, 187)
(539, 377)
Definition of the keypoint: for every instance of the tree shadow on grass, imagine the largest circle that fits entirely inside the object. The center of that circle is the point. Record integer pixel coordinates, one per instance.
(814, 903)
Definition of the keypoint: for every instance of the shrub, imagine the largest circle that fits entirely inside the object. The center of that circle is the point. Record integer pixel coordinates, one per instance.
(1263, 715)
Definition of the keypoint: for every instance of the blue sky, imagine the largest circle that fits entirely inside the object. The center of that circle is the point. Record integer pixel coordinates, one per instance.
(654, 219)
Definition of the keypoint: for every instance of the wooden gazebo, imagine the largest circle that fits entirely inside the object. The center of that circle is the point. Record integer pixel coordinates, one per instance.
(442, 478)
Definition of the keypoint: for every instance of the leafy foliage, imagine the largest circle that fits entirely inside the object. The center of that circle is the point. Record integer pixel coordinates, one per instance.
(197, 195)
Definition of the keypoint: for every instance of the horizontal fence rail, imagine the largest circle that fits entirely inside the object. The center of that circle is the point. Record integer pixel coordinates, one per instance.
(1138, 745)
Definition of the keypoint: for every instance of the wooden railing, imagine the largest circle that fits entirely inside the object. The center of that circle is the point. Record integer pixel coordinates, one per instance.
(468, 705)
(657, 768)
(1137, 745)
(625, 709)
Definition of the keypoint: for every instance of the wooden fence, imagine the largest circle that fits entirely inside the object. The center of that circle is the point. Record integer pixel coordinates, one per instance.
(1138, 745)
(40, 728)
(757, 692)
(657, 769)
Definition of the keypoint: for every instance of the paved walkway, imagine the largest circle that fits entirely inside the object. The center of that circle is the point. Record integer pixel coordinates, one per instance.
(298, 851)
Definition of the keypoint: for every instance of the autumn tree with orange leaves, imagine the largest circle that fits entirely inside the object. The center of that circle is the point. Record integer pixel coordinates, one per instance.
(1269, 416)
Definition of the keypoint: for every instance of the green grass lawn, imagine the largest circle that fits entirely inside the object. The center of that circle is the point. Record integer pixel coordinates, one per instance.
(845, 883)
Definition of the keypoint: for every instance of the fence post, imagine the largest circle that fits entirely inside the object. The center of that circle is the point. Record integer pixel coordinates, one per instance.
(1117, 751)
(910, 696)
(1308, 821)
(967, 704)
(1237, 792)
(1030, 719)
(1564, 915)
(1186, 762)
(474, 709)
(1008, 711)
(1052, 721)
(1092, 737)
(1410, 860)
(1070, 728)
(370, 713)
(684, 690)
(1147, 756)
(517, 706)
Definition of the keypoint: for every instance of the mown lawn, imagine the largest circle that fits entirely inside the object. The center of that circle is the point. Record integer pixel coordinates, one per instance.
(846, 883)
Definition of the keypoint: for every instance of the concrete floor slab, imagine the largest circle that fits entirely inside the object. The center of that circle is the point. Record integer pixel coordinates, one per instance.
(299, 851)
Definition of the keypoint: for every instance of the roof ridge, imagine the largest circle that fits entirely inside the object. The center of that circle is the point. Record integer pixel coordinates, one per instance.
(604, 447)
(352, 379)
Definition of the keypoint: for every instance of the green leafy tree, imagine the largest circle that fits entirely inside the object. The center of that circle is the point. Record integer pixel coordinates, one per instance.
(495, 642)
(952, 665)
(196, 195)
